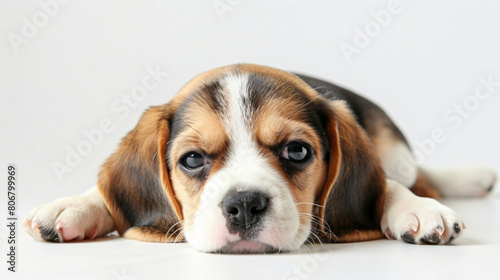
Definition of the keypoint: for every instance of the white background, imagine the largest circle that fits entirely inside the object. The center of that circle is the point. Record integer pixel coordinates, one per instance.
(64, 79)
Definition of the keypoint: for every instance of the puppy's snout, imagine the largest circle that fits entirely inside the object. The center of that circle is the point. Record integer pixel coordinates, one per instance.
(244, 208)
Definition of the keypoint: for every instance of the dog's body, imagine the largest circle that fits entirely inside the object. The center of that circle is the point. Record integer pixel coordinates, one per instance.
(249, 158)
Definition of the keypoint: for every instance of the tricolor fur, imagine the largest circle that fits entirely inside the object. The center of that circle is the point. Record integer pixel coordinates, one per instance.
(238, 124)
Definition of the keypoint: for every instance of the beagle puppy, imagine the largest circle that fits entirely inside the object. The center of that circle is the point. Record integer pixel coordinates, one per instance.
(252, 159)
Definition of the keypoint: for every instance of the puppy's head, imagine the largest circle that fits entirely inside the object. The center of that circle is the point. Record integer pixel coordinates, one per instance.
(247, 156)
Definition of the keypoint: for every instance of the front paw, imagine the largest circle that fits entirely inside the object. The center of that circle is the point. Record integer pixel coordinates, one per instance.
(421, 221)
(66, 219)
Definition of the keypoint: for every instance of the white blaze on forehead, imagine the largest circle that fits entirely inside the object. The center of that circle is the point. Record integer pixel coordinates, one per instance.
(244, 152)
(237, 115)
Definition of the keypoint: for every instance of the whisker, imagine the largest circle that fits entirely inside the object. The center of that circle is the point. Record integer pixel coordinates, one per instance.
(176, 236)
(317, 237)
(167, 236)
(321, 223)
(310, 203)
(181, 233)
(312, 233)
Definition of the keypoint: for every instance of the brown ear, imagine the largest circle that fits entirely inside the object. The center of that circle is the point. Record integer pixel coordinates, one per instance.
(352, 197)
(135, 184)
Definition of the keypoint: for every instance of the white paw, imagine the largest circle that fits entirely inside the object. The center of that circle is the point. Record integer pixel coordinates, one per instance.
(464, 181)
(419, 220)
(66, 219)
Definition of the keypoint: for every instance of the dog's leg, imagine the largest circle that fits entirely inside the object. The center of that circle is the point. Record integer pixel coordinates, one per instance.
(70, 218)
(399, 165)
(410, 212)
(463, 181)
(397, 160)
(416, 219)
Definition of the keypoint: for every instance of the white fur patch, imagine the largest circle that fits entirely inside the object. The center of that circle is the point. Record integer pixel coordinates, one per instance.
(414, 219)
(399, 165)
(463, 181)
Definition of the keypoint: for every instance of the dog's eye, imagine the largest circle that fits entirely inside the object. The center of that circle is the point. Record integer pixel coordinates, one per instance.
(296, 152)
(193, 160)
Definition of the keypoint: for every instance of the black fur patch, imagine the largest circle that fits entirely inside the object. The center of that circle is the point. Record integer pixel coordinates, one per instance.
(369, 115)
(144, 179)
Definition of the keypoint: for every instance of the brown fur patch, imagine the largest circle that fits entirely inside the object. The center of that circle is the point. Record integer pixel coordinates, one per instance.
(134, 181)
(424, 188)
(360, 235)
(354, 190)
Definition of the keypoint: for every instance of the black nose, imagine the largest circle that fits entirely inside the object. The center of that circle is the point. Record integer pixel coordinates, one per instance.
(244, 208)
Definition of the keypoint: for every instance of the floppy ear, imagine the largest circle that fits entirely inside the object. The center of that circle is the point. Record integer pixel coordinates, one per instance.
(135, 185)
(352, 197)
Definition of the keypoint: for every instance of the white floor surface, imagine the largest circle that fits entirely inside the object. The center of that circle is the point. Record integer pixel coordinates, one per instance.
(475, 255)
